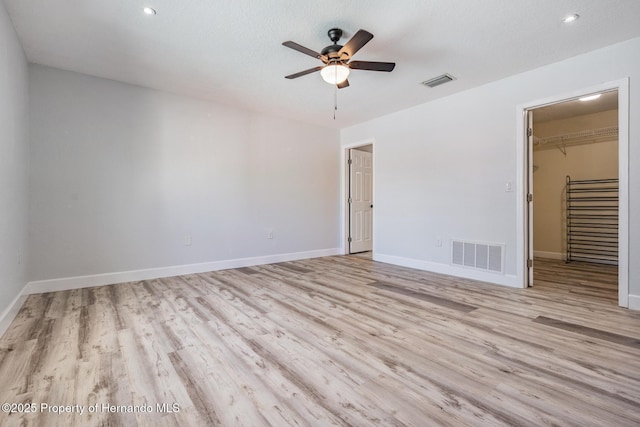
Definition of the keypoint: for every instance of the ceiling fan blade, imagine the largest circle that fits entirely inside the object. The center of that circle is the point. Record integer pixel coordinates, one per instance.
(360, 38)
(305, 50)
(303, 73)
(343, 84)
(372, 66)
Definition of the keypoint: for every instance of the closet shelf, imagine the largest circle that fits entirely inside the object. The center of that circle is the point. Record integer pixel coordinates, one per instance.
(576, 138)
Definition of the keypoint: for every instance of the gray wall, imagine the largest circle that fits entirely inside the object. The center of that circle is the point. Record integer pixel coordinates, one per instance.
(122, 174)
(13, 164)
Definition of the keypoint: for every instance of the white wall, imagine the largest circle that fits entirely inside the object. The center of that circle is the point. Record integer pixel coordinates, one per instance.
(441, 167)
(13, 166)
(121, 174)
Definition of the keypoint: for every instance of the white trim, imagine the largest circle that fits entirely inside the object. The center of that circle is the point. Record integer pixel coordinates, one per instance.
(434, 267)
(10, 313)
(77, 282)
(549, 255)
(622, 86)
(623, 194)
(344, 171)
(634, 302)
(521, 190)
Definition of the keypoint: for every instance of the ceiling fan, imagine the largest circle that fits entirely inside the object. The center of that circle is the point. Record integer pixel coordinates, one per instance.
(337, 58)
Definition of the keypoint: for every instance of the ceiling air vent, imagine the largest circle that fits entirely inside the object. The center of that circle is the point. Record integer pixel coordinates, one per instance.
(437, 81)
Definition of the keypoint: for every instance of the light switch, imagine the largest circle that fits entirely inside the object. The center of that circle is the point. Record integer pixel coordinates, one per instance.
(508, 187)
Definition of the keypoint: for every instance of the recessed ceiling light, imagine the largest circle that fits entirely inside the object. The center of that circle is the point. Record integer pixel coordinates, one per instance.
(590, 97)
(149, 11)
(570, 18)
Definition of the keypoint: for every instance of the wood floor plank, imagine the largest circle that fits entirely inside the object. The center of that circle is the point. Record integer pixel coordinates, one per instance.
(16, 369)
(339, 340)
(590, 332)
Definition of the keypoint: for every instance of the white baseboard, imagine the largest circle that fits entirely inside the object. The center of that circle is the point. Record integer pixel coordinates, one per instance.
(549, 255)
(11, 312)
(77, 282)
(434, 267)
(634, 302)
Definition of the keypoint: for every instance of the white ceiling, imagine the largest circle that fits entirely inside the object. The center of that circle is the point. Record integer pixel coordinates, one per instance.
(230, 51)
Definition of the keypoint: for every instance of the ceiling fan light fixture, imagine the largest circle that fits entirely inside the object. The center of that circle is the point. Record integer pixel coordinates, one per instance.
(335, 73)
(570, 18)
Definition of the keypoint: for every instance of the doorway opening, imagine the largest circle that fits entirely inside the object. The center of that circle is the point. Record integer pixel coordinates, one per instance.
(576, 220)
(359, 199)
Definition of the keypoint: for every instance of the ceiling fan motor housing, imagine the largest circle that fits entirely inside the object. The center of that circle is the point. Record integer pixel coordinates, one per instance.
(331, 51)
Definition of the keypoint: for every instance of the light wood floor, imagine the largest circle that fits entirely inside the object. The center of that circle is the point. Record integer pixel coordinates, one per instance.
(327, 341)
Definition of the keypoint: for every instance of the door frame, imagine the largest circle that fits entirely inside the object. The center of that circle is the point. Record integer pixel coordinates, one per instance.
(522, 172)
(344, 192)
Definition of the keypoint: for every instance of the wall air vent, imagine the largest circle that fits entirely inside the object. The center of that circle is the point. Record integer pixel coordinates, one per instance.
(481, 256)
(437, 81)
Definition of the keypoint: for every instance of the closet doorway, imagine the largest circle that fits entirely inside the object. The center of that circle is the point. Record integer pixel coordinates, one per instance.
(574, 173)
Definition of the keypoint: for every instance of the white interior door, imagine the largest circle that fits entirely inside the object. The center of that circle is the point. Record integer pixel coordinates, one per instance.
(529, 196)
(360, 201)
